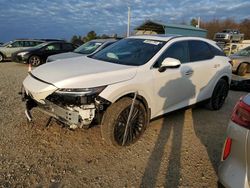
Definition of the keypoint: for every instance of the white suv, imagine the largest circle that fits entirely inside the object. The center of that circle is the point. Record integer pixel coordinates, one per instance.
(130, 82)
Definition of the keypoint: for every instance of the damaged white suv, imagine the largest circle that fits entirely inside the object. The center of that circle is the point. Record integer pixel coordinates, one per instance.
(128, 83)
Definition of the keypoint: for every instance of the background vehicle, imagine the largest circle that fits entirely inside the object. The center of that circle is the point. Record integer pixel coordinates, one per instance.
(85, 49)
(130, 82)
(235, 165)
(38, 55)
(229, 35)
(11, 47)
(241, 61)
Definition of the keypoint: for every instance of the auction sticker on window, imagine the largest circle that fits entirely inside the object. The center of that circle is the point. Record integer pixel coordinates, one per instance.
(152, 42)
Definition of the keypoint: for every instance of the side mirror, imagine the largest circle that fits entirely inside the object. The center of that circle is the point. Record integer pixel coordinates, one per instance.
(169, 63)
(9, 46)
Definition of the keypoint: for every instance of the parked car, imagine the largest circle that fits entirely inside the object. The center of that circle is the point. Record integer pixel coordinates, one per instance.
(241, 61)
(235, 165)
(130, 82)
(240, 85)
(85, 49)
(38, 55)
(229, 35)
(7, 49)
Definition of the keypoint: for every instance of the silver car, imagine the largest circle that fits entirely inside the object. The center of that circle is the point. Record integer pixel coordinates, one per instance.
(235, 165)
(7, 49)
(241, 61)
(83, 50)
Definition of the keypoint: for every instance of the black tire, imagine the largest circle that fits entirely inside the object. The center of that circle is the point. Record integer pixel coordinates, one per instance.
(35, 60)
(219, 95)
(114, 122)
(1, 57)
(242, 69)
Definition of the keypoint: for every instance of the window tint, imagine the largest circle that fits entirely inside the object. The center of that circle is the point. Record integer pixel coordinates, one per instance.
(178, 50)
(216, 51)
(53, 47)
(67, 47)
(199, 51)
(17, 44)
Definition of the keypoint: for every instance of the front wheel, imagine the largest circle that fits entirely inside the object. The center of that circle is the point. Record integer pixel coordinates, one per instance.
(35, 60)
(219, 95)
(115, 120)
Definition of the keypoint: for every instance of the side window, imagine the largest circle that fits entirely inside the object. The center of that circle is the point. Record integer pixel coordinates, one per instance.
(67, 47)
(52, 47)
(27, 43)
(178, 50)
(17, 44)
(199, 51)
(216, 51)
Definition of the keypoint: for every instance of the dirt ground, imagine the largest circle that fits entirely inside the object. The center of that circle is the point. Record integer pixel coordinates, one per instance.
(181, 149)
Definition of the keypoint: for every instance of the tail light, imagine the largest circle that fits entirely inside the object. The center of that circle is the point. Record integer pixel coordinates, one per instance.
(241, 114)
(227, 148)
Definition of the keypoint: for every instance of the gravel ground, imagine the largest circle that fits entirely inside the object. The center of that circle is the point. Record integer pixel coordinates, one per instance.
(181, 149)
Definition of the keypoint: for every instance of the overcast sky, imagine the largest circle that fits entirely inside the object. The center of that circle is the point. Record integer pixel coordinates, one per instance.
(64, 18)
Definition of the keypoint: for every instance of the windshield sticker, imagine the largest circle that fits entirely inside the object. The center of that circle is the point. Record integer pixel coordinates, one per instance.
(152, 42)
(98, 43)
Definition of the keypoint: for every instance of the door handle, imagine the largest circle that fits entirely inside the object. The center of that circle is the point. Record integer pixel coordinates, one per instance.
(189, 72)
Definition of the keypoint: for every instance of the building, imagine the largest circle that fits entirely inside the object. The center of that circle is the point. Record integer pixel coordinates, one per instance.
(152, 27)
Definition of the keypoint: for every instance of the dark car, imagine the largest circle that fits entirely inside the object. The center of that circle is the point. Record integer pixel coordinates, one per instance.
(38, 55)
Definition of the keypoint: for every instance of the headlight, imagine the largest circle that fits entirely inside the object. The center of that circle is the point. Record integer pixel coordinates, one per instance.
(22, 53)
(81, 91)
(75, 96)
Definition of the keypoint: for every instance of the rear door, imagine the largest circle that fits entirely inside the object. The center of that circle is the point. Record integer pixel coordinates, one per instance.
(204, 67)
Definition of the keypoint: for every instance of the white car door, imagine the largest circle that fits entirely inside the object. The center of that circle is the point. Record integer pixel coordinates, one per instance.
(173, 88)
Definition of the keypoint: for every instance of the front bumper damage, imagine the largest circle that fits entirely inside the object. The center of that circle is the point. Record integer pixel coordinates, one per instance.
(74, 111)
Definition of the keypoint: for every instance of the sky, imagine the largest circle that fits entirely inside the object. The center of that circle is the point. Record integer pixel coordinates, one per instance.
(64, 18)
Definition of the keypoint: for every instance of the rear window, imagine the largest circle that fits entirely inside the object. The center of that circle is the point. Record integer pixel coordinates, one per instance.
(199, 51)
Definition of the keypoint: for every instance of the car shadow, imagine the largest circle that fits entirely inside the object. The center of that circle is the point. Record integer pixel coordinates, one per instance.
(169, 129)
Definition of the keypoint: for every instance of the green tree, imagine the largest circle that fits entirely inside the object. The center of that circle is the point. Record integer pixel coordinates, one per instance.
(90, 36)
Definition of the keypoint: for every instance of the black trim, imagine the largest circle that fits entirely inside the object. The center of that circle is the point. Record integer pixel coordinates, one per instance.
(39, 79)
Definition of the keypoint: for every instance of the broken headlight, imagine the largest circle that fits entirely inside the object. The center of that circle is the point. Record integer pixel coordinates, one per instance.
(75, 96)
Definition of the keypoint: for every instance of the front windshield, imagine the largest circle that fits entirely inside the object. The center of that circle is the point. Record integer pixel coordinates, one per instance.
(88, 47)
(227, 31)
(244, 52)
(130, 51)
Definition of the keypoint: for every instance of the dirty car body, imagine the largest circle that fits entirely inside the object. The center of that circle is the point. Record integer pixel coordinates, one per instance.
(137, 78)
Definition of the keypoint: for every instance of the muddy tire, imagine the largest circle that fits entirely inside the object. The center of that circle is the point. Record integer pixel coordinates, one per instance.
(242, 69)
(219, 95)
(115, 119)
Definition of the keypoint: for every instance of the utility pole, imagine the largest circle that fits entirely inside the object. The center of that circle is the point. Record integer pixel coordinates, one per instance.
(128, 28)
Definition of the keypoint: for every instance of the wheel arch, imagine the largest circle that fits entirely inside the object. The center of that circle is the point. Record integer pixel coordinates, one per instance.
(140, 98)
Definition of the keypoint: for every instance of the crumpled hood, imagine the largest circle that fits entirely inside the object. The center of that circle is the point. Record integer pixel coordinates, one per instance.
(63, 56)
(83, 72)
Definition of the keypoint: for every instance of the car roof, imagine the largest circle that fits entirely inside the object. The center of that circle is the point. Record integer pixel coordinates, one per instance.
(169, 37)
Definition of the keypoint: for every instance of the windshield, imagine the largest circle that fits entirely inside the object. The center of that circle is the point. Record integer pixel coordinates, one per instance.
(227, 31)
(244, 52)
(88, 47)
(130, 51)
(7, 43)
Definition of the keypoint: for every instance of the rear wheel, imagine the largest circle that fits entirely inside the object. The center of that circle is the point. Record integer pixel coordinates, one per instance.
(35, 60)
(219, 95)
(242, 69)
(115, 119)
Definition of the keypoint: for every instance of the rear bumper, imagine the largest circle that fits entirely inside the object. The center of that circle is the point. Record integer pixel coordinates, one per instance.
(232, 172)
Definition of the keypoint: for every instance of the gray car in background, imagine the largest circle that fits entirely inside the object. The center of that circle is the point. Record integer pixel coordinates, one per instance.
(235, 165)
(83, 50)
(241, 61)
(7, 49)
